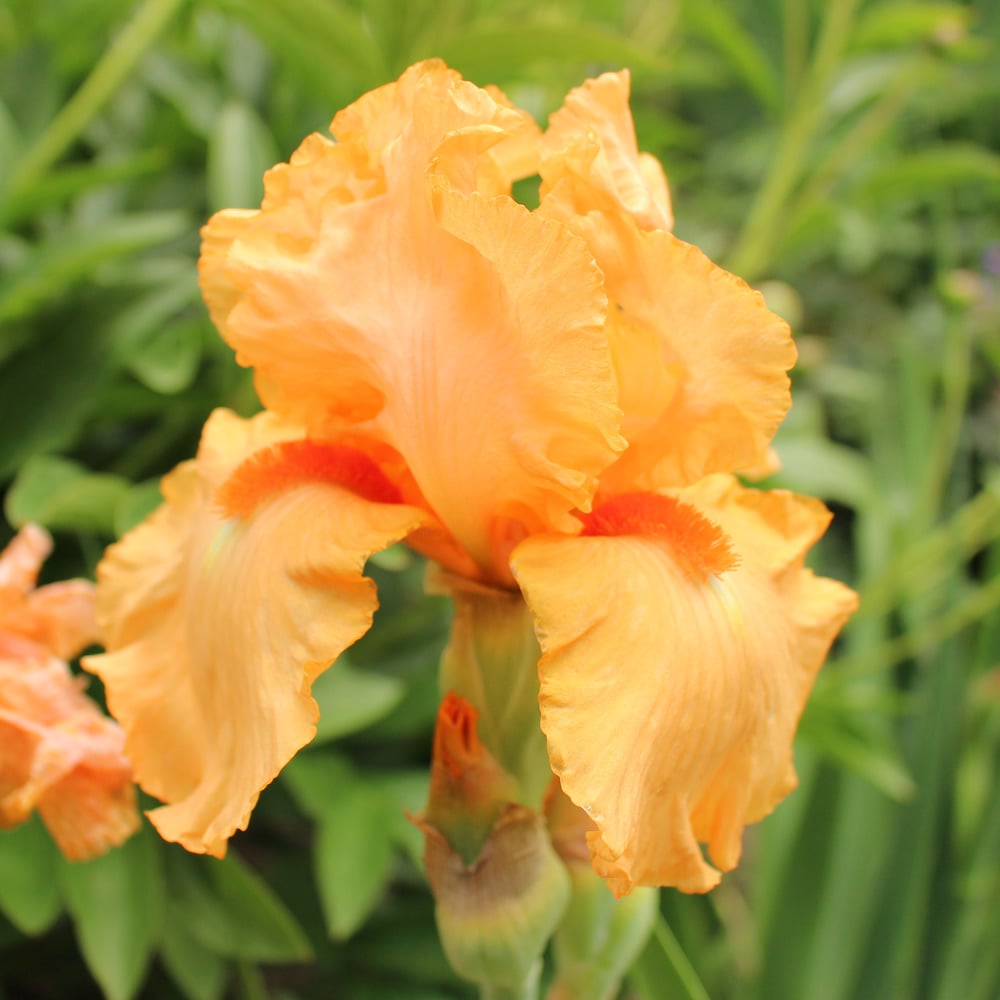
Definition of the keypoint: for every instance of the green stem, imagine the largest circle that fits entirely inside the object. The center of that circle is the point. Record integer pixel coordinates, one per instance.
(104, 80)
(980, 603)
(867, 129)
(754, 245)
(795, 40)
(528, 990)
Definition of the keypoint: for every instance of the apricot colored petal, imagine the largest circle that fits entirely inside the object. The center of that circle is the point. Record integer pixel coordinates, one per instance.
(723, 353)
(590, 160)
(64, 617)
(670, 702)
(401, 124)
(217, 236)
(447, 336)
(217, 628)
(59, 755)
(21, 560)
(59, 617)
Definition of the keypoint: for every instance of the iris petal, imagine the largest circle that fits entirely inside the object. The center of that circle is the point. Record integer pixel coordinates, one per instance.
(216, 627)
(669, 699)
(434, 313)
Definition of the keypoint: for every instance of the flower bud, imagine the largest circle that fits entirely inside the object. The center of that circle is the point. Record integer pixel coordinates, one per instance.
(500, 888)
(496, 915)
(469, 789)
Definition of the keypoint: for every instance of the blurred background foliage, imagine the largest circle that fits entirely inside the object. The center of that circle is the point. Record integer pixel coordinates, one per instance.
(843, 157)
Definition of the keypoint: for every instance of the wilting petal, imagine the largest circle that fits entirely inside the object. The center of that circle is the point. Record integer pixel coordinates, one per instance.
(437, 315)
(59, 755)
(678, 655)
(58, 617)
(217, 625)
(590, 161)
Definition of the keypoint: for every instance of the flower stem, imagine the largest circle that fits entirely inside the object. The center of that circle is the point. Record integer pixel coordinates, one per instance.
(106, 77)
(751, 254)
(528, 990)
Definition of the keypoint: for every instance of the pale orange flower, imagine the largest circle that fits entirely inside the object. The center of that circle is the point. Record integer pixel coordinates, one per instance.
(553, 400)
(58, 753)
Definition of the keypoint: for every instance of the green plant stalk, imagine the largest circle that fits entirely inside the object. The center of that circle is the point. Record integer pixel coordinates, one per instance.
(104, 80)
(754, 245)
(795, 42)
(922, 565)
(956, 371)
(528, 990)
(936, 746)
(960, 615)
(868, 128)
(664, 970)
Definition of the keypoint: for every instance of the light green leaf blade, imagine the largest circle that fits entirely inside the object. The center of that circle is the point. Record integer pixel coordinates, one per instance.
(354, 857)
(240, 149)
(116, 902)
(198, 971)
(29, 895)
(233, 912)
(62, 495)
(663, 970)
(351, 699)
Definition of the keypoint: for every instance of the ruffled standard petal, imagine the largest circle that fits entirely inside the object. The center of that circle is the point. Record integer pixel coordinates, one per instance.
(224, 606)
(723, 358)
(591, 162)
(701, 363)
(438, 316)
(61, 757)
(677, 658)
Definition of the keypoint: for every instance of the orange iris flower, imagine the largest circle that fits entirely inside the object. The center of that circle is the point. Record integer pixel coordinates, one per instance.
(58, 753)
(552, 400)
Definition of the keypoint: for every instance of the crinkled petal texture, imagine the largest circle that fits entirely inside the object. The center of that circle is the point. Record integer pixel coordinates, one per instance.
(59, 755)
(670, 694)
(390, 283)
(592, 162)
(700, 361)
(216, 626)
(720, 355)
(59, 617)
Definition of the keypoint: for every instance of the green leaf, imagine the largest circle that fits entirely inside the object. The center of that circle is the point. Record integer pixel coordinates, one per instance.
(29, 895)
(717, 23)
(405, 792)
(316, 779)
(903, 25)
(62, 495)
(169, 361)
(77, 179)
(917, 173)
(232, 911)
(62, 261)
(663, 970)
(116, 903)
(351, 699)
(135, 505)
(867, 754)
(198, 971)
(240, 149)
(498, 49)
(354, 857)
(137, 326)
(47, 391)
(819, 467)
